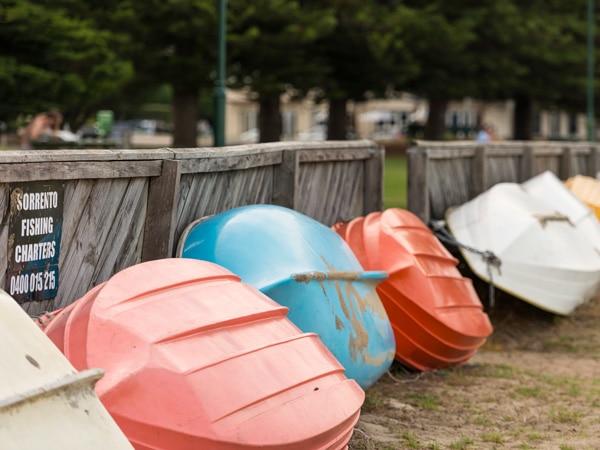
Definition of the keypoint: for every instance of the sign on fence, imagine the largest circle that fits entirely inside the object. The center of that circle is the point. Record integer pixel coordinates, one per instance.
(35, 228)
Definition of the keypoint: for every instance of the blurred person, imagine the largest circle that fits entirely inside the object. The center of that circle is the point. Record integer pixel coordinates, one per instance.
(485, 134)
(43, 126)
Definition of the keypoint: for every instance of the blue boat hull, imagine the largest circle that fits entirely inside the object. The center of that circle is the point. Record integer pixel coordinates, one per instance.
(307, 267)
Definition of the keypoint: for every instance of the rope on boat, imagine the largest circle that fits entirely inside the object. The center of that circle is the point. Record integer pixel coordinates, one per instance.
(490, 259)
(364, 436)
(43, 319)
(411, 380)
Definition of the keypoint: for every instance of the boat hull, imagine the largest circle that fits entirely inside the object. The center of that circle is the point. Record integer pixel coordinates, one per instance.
(586, 189)
(44, 402)
(305, 266)
(544, 258)
(548, 188)
(196, 359)
(437, 317)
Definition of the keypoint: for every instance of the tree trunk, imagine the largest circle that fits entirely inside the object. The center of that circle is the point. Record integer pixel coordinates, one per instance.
(185, 116)
(269, 119)
(523, 118)
(435, 128)
(336, 122)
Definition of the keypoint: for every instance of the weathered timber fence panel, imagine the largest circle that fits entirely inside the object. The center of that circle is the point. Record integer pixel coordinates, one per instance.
(354, 178)
(122, 207)
(105, 194)
(446, 174)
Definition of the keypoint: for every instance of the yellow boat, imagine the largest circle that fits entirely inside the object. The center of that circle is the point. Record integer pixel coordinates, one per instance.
(586, 189)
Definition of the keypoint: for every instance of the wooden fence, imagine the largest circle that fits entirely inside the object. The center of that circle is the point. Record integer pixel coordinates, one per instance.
(122, 207)
(446, 174)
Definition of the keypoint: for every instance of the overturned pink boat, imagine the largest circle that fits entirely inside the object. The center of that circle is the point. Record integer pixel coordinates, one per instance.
(194, 358)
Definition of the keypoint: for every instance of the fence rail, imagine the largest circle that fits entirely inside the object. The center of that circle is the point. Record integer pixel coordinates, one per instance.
(122, 207)
(446, 174)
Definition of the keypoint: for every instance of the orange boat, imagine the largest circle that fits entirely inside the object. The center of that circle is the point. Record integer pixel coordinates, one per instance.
(194, 358)
(586, 189)
(437, 317)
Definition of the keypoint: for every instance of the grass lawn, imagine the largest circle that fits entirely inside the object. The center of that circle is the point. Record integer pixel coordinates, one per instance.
(394, 182)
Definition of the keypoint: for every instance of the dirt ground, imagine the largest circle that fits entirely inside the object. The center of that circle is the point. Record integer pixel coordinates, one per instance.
(535, 384)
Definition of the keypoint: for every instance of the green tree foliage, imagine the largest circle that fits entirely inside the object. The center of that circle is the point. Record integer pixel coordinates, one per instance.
(173, 42)
(551, 54)
(497, 49)
(80, 56)
(440, 36)
(268, 50)
(49, 59)
(364, 54)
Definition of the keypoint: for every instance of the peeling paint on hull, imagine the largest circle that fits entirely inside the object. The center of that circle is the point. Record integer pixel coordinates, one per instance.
(305, 266)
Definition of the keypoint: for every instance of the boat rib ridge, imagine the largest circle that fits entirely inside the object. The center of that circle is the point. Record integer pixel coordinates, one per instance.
(170, 287)
(250, 350)
(234, 320)
(278, 392)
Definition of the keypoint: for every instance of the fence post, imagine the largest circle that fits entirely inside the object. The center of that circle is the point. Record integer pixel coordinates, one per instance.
(566, 163)
(527, 164)
(285, 180)
(479, 171)
(418, 183)
(594, 161)
(161, 211)
(373, 183)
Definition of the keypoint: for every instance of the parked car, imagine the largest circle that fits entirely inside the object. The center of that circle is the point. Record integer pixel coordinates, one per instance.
(151, 126)
(316, 133)
(250, 136)
(87, 131)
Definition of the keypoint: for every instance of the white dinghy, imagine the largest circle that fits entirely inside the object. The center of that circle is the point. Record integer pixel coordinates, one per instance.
(45, 403)
(541, 256)
(556, 194)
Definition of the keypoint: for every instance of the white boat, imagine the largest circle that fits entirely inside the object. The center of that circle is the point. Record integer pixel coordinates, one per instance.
(541, 256)
(44, 401)
(556, 194)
